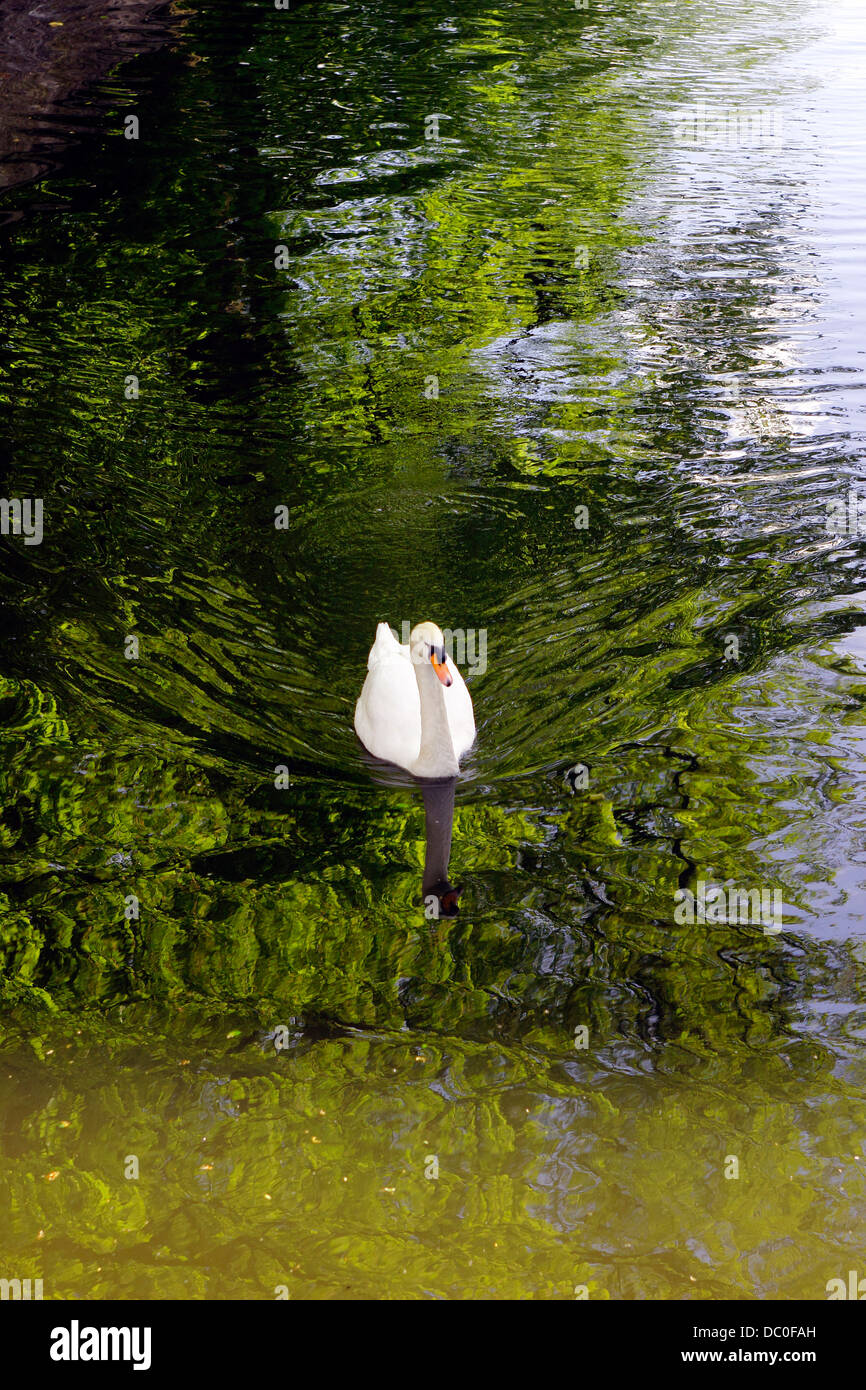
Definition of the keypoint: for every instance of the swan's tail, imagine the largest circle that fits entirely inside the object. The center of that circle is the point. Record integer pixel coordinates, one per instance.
(384, 647)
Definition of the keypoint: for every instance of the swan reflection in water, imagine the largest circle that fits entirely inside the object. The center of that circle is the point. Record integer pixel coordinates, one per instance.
(440, 895)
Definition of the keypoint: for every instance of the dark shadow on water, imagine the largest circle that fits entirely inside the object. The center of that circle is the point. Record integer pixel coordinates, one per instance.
(50, 56)
(438, 823)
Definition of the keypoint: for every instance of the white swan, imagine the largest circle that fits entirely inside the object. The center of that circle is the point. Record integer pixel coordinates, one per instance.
(414, 709)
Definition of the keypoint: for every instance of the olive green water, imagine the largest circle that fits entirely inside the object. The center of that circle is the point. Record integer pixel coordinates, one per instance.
(560, 302)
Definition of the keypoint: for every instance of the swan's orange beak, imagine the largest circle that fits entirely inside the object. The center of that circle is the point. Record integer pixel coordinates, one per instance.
(440, 668)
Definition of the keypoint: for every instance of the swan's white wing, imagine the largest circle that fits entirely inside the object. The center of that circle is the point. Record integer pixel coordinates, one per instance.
(385, 647)
(388, 712)
(461, 719)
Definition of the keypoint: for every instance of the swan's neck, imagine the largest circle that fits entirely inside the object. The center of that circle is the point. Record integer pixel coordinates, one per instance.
(436, 755)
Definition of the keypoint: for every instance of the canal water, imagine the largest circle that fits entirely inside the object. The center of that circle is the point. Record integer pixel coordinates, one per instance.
(543, 322)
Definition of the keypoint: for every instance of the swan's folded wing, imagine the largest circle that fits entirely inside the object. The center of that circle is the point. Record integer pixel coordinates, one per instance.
(461, 717)
(385, 648)
(388, 712)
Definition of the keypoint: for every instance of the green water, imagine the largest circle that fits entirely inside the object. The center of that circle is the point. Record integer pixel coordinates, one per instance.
(559, 303)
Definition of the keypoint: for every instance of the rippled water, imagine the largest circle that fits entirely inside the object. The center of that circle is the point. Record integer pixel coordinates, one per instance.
(624, 273)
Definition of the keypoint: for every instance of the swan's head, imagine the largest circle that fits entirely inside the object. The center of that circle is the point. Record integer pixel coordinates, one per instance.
(426, 643)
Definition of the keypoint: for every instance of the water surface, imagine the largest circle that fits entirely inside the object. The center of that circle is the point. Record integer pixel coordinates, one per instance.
(584, 292)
